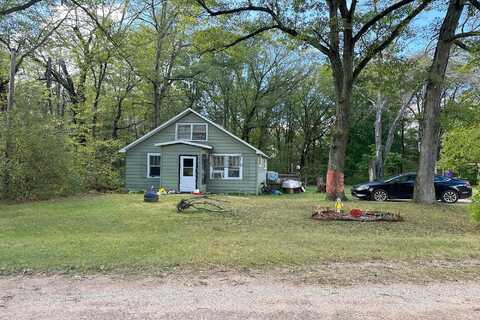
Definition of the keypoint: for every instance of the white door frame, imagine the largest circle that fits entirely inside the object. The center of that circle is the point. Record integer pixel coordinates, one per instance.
(187, 183)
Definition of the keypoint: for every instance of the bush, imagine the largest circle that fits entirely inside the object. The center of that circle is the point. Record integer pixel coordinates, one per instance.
(98, 162)
(475, 207)
(40, 164)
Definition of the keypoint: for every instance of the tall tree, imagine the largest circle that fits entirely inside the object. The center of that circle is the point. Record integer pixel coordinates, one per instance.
(424, 186)
(336, 31)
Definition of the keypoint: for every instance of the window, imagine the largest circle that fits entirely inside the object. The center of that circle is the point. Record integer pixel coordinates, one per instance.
(262, 162)
(192, 131)
(218, 167)
(153, 165)
(188, 167)
(402, 179)
(199, 132)
(184, 132)
(226, 167)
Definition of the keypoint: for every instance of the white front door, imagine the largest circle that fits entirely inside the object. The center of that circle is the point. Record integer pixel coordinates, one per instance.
(188, 173)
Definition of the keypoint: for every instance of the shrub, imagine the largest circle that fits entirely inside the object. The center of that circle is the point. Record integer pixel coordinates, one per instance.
(40, 164)
(98, 162)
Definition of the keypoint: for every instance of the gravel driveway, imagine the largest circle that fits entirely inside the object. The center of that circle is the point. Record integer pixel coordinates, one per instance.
(230, 297)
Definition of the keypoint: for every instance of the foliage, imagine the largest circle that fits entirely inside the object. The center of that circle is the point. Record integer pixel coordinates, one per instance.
(108, 72)
(97, 162)
(459, 154)
(475, 207)
(41, 164)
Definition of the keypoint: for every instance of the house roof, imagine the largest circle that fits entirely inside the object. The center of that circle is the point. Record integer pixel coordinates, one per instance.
(179, 116)
(169, 143)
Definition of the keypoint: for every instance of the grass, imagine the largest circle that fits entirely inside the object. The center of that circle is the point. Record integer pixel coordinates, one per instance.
(121, 232)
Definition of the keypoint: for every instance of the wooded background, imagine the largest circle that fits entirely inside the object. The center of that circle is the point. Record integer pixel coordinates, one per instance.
(332, 86)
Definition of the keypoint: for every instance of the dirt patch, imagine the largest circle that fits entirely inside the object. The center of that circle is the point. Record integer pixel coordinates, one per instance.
(274, 294)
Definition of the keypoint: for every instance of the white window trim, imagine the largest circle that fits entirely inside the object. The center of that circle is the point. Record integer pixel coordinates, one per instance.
(148, 164)
(191, 124)
(262, 162)
(225, 166)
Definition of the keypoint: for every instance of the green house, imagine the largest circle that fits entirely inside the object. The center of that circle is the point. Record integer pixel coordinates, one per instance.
(190, 152)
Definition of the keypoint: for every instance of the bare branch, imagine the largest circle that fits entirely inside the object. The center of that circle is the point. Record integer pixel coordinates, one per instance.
(462, 45)
(378, 17)
(276, 19)
(234, 10)
(243, 38)
(466, 34)
(475, 3)
(371, 52)
(21, 7)
(41, 41)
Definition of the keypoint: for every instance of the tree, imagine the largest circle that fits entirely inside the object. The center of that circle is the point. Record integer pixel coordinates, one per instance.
(22, 43)
(458, 150)
(5, 10)
(328, 27)
(391, 85)
(424, 186)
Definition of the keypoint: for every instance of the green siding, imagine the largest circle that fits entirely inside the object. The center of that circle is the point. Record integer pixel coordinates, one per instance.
(170, 164)
(136, 161)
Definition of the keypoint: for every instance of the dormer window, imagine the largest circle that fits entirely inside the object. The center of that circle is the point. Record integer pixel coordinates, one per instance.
(192, 131)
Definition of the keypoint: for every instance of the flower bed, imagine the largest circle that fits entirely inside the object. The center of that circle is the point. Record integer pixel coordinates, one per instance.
(328, 214)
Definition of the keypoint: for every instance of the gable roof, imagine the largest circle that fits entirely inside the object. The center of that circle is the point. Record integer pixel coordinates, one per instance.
(179, 116)
(169, 143)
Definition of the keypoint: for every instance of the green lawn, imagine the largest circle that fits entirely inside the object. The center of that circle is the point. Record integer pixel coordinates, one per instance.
(121, 232)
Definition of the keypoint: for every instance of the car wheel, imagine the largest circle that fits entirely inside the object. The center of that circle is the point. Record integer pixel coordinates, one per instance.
(380, 195)
(449, 196)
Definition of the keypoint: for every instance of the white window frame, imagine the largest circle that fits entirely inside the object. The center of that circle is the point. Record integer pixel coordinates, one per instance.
(225, 166)
(191, 124)
(262, 162)
(148, 164)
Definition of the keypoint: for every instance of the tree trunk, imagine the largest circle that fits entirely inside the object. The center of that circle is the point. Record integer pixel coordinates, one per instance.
(394, 125)
(48, 83)
(378, 162)
(342, 69)
(98, 91)
(156, 80)
(424, 187)
(8, 131)
(116, 118)
(338, 149)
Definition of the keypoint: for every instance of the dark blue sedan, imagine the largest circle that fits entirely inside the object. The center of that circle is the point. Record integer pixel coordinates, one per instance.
(448, 190)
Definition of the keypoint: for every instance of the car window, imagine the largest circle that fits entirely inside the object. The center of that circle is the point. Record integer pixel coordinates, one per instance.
(393, 180)
(411, 178)
(441, 178)
(403, 179)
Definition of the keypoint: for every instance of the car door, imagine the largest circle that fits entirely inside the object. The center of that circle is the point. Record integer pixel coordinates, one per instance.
(405, 186)
(392, 188)
(401, 187)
